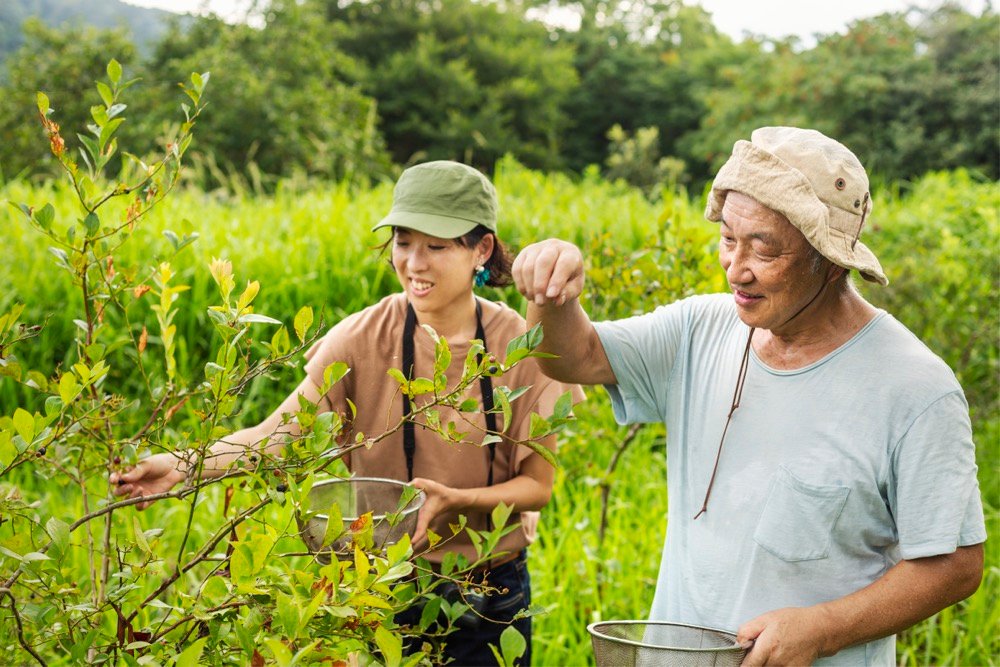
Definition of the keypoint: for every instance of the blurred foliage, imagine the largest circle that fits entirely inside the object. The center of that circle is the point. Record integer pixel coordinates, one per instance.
(285, 105)
(64, 62)
(145, 24)
(457, 79)
(340, 89)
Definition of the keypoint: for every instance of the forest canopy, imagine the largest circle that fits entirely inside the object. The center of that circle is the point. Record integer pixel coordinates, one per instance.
(649, 91)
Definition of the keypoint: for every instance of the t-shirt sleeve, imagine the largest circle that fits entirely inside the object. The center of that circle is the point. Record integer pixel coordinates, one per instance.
(933, 490)
(330, 349)
(641, 351)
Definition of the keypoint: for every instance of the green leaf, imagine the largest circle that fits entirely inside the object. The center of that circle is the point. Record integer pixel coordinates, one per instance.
(501, 513)
(249, 294)
(334, 524)
(563, 406)
(303, 320)
(398, 376)
(501, 402)
(279, 341)
(91, 224)
(59, 532)
(92, 152)
(192, 654)
(140, 537)
(108, 131)
(105, 92)
(541, 450)
(44, 216)
(333, 373)
(391, 646)
(60, 255)
(399, 551)
(68, 388)
(430, 612)
(99, 114)
(115, 75)
(420, 386)
(42, 100)
(24, 424)
(512, 644)
(257, 318)
(8, 452)
(432, 538)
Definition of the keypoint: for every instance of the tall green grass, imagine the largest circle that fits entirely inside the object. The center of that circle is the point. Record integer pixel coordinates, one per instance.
(938, 240)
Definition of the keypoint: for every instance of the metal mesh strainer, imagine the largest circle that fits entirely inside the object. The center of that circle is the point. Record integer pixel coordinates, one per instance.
(354, 497)
(650, 643)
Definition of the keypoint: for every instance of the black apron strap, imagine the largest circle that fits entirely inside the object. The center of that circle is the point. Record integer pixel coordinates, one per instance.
(485, 387)
(409, 435)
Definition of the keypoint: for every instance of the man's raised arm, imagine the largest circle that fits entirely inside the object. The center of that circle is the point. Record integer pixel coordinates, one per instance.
(550, 275)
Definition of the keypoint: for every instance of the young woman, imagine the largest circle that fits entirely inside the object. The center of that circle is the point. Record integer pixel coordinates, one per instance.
(444, 241)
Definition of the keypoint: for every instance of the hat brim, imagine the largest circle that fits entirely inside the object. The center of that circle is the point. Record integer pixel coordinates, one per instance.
(775, 184)
(441, 226)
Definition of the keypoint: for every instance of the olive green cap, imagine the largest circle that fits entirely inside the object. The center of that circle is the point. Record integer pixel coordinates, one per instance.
(444, 199)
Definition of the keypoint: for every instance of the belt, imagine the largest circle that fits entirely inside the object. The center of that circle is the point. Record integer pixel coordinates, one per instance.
(492, 564)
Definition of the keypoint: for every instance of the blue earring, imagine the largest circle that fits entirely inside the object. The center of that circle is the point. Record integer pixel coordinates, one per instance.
(480, 276)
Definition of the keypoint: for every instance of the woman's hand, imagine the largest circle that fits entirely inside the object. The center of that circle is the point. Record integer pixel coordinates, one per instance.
(157, 474)
(440, 498)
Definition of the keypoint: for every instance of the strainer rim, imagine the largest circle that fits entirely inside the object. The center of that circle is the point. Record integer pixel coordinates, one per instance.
(593, 628)
(421, 496)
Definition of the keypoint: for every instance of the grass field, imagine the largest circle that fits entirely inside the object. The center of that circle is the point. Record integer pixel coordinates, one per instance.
(937, 238)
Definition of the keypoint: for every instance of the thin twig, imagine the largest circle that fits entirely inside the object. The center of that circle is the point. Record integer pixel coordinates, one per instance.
(606, 482)
(20, 629)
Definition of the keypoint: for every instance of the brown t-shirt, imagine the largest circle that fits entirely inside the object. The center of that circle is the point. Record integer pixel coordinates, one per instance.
(370, 342)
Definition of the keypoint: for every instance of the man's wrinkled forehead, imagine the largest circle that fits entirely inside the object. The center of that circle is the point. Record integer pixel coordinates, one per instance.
(737, 203)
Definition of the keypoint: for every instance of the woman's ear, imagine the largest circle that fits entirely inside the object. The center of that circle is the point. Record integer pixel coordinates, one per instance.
(484, 249)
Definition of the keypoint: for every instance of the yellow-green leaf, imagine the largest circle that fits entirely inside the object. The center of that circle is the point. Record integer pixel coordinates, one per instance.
(24, 424)
(303, 320)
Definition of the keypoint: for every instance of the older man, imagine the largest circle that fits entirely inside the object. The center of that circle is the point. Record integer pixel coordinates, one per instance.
(821, 470)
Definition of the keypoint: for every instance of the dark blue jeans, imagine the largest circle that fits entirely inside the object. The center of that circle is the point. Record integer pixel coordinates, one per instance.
(467, 646)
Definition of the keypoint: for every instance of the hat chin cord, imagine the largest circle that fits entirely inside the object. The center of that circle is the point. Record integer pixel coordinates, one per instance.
(738, 395)
(822, 288)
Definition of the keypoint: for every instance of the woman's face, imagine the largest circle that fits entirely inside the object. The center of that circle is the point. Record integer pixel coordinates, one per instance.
(436, 273)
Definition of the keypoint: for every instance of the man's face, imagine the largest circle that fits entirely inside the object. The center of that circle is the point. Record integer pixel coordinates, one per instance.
(768, 264)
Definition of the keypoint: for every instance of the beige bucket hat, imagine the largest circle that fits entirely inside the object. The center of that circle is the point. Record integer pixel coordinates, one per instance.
(814, 181)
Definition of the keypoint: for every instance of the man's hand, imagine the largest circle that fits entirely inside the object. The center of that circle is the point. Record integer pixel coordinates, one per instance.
(157, 474)
(790, 636)
(550, 271)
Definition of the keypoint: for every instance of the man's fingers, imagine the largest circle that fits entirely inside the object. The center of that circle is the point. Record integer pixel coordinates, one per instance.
(548, 271)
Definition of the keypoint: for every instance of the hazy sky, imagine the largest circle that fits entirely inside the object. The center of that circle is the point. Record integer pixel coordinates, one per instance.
(774, 18)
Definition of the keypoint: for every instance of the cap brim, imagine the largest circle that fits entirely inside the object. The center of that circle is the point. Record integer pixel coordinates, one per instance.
(441, 226)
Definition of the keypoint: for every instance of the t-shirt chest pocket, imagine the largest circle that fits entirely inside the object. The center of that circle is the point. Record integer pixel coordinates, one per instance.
(798, 518)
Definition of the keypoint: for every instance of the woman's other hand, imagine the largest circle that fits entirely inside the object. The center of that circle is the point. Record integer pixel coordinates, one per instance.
(153, 475)
(440, 498)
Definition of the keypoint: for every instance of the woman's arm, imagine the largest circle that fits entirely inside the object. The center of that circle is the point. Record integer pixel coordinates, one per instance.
(161, 472)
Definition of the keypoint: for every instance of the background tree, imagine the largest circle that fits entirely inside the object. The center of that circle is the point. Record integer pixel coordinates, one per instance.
(457, 79)
(908, 96)
(65, 61)
(285, 106)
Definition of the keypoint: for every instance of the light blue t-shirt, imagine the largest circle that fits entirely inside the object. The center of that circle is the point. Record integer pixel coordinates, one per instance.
(830, 474)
